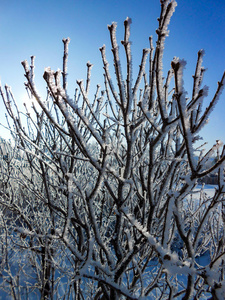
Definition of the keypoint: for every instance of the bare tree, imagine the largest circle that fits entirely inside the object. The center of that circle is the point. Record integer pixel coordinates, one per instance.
(101, 196)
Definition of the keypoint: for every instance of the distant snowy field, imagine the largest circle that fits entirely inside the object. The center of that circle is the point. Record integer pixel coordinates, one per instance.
(209, 189)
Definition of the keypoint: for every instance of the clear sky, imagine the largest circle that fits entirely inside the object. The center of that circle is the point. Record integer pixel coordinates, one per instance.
(36, 27)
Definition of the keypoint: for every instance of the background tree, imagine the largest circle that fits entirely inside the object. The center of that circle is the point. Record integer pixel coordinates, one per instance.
(100, 197)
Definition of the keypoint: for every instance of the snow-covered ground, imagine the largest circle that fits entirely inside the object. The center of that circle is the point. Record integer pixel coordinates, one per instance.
(203, 260)
(208, 188)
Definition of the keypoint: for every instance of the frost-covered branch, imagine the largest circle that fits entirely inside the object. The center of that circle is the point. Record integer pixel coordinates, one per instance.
(102, 196)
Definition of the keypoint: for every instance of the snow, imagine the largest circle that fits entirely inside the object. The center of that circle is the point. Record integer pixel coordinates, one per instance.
(209, 189)
(81, 202)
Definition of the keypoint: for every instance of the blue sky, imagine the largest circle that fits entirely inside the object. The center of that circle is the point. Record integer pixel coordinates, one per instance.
(37, 28)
